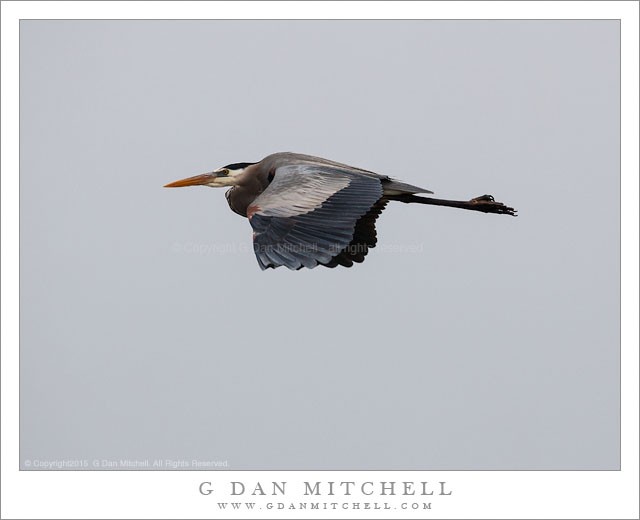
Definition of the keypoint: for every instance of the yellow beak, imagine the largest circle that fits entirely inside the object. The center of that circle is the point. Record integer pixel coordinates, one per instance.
(198, 180)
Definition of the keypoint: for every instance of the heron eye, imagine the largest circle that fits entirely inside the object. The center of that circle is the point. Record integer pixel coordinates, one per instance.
(225, 172)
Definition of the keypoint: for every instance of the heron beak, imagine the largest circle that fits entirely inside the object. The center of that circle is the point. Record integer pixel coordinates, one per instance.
(198, 180)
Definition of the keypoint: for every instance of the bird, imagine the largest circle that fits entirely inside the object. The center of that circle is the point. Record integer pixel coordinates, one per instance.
(306, 211)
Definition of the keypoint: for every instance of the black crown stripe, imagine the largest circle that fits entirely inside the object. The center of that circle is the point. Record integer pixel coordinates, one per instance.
(238, 165)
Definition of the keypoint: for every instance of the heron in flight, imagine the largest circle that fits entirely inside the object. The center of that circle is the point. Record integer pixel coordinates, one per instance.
(306, 211)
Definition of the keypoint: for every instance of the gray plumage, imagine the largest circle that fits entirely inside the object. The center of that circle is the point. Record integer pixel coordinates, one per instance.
(307, 211)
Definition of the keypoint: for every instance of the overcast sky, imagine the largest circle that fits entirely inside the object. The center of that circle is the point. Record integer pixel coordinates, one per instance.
(465, 341)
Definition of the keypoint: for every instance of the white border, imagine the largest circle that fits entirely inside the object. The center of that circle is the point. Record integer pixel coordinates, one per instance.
(538, 494)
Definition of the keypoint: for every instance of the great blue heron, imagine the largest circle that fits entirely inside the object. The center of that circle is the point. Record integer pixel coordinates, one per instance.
(307, 211)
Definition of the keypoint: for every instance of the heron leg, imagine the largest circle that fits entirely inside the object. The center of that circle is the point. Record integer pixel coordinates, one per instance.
(484, 203)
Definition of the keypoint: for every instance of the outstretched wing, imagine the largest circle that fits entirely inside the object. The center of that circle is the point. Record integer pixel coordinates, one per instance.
(309, 215)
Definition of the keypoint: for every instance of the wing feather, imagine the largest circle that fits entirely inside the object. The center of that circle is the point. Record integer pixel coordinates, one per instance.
(308, 215)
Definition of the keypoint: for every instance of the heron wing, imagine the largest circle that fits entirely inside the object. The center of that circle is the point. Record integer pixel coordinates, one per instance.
(308, 215)
(364, 238)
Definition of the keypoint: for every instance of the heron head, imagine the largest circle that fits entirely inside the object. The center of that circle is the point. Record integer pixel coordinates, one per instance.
(228, 175)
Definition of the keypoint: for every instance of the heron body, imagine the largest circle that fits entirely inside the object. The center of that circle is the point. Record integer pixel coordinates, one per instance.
(307, 211)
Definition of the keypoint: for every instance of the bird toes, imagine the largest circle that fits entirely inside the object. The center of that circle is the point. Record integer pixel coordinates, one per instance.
(487, 204)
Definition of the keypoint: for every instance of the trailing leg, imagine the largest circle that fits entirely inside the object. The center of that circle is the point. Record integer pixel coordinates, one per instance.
(484, 203)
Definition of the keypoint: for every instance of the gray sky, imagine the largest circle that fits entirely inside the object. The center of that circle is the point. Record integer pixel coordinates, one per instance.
(465, 341)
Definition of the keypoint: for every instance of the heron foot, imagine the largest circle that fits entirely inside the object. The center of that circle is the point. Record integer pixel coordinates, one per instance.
(487, 204)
